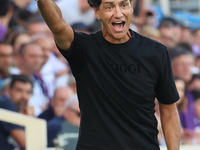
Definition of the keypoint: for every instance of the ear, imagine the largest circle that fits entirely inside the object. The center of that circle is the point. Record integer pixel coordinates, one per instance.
(96, 11)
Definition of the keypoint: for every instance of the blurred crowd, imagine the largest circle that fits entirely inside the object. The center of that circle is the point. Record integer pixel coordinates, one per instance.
(37, 80)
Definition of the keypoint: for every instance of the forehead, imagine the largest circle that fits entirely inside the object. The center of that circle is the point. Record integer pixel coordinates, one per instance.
(23, 38)
(5, 48)
(114, 1)
(184, 57)
(44, 42)
(33, 49)
(24, 85)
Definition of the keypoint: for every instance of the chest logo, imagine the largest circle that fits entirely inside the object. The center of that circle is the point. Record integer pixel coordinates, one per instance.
(124, 68)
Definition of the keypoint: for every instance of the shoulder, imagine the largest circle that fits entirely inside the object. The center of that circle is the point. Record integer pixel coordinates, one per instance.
(83, 39)
(6, 103)
(150, 46)
(150, 43)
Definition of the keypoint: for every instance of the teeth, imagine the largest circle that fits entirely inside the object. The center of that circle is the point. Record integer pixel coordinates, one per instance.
(118, 22)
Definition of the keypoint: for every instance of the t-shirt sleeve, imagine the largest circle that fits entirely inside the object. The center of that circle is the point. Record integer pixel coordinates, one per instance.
(166, 91)
(9, 106)
(76, 55)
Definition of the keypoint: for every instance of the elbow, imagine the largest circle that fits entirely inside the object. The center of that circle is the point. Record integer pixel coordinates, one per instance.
(58, 27)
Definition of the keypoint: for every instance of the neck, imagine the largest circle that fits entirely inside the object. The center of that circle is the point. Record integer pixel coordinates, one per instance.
(25, 72)
(117, 41)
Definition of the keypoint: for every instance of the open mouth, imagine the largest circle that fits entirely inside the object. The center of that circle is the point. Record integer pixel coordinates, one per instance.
(119, 25)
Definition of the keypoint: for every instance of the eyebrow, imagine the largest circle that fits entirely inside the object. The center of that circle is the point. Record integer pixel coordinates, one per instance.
(112, 2)
(108, 3)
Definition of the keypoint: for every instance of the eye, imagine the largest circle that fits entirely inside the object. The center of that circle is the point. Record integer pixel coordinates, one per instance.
(108, 7)
(125, 5)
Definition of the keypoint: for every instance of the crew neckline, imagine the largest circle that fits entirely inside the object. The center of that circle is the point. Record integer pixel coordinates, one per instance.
(120, 45)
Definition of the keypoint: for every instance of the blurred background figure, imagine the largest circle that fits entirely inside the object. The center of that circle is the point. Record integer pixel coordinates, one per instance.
(54, 113)
(72, 112)
(68, 136)
(20, 91)
(194, 83)
(150, 32)
(53, 71)
(6, 13)
(36, 27)
(20, 14)
(57, 103)
(170, 31)
(16, 99)
(182, 62)
(6, 61)
(31, 60)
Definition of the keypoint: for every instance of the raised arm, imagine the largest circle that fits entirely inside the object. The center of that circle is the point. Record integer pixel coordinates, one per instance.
(170, 125)
(63, 33)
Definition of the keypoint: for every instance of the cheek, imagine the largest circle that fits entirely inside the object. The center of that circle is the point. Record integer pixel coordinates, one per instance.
(181, 93)
(1, 62)
(16, 96)
(197, 109)
(28, 60)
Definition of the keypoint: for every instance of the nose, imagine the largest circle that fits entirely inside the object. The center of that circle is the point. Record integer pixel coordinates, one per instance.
(118, 12)
(25, 96)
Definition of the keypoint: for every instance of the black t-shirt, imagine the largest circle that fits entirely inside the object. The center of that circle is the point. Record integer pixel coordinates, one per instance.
(117, 85)
(6, 142)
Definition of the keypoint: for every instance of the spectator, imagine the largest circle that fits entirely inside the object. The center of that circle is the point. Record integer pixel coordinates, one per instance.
(186, 34)
(56, 107)
(196, 95)
(5, 16)
(18, 40)
(78, 10)
(36, 27)
(182, 62)
(68, 135)
(20, 91)
(194, 83)
(18, 94)
(196, 52)
(170, 32)
(182, 102)
(31, 59)
(139, 17)
(196, 43)
(6, 60)
(72, 84)
(182, 105)
(196, 134)
(150, 32)
(20, 9)
(72, 112)
(53, 70)
(54, 113)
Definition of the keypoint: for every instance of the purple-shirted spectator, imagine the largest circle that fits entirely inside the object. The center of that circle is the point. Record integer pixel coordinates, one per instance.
(5, 16)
